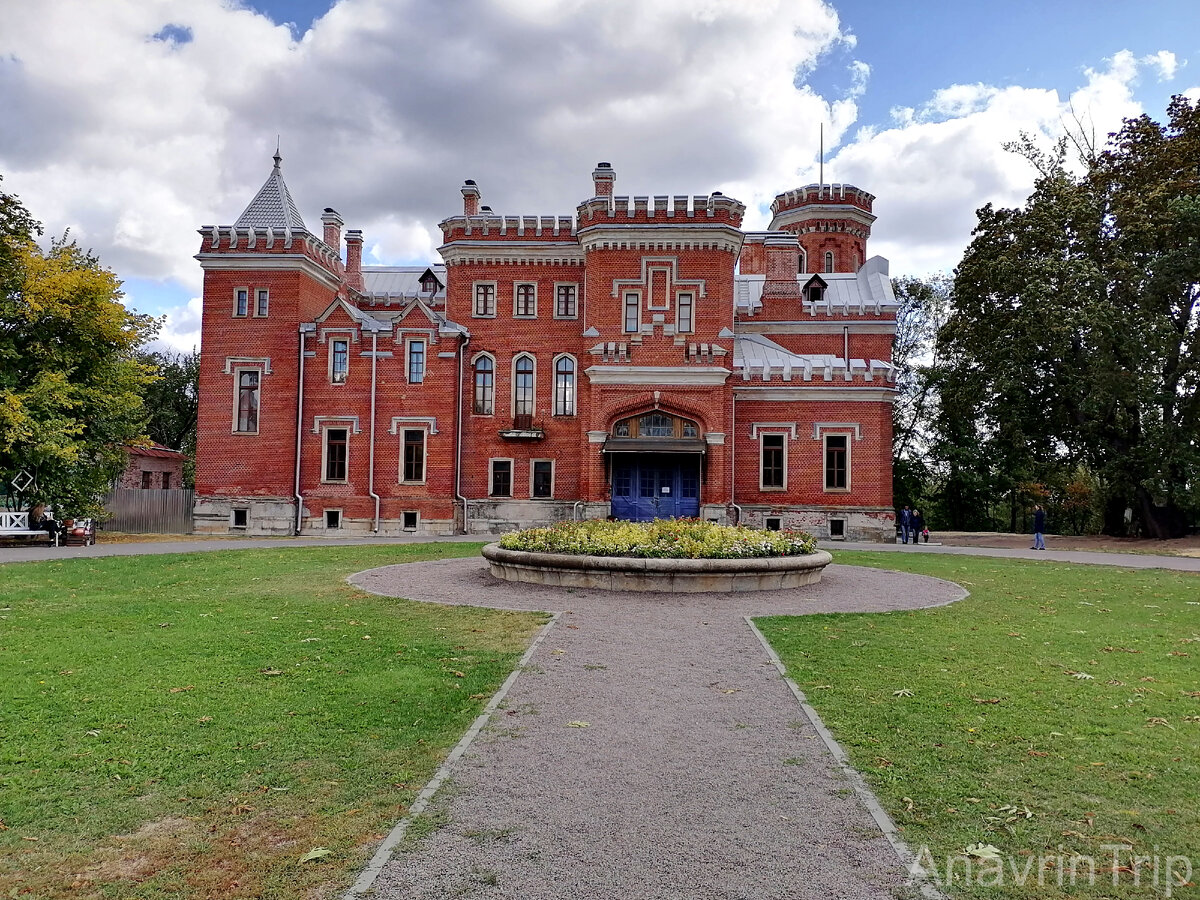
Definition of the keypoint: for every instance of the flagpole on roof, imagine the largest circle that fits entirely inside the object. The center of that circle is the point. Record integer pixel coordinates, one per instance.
(821, 176)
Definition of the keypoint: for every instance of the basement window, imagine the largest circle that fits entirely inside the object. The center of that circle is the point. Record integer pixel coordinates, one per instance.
(409, 519)
(333, 519)
(837, 529)
(773, 524)
(240, 518)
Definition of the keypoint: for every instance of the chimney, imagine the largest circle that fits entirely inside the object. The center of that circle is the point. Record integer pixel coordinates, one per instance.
(333, 229)
(603, 178)
(470, 194)
(354, 242)
(782, 266)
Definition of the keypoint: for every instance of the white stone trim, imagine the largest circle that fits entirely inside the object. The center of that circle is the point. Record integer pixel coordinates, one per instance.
(819, 427)
(248, 362)
(715, 438)
(277, 261)
(785, 393)
(756, 427)
(553, 476)
(597, 437)
(320, 422)
(673, 375)
(556, 253)
(429, 422)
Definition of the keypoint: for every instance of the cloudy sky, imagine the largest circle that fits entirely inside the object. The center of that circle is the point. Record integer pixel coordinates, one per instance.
(134, 122)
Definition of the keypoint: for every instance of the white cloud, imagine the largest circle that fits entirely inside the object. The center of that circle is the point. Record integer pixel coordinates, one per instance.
(181, 330)
(1164, 61)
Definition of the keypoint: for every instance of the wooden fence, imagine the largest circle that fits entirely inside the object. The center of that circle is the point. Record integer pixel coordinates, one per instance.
(150, 511)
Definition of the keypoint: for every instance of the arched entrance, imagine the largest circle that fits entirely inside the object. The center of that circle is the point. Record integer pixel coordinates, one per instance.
(655, 463)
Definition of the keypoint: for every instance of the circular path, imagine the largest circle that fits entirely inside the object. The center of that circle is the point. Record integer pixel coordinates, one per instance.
(697, 775)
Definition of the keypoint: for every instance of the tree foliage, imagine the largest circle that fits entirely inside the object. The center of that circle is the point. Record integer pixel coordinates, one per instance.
(70, 381)
(1074, 333)
(173, 402)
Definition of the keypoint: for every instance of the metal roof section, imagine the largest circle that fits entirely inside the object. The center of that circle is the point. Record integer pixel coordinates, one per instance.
(755, 355)
(402, 282)
(869, 290)
(272, 206)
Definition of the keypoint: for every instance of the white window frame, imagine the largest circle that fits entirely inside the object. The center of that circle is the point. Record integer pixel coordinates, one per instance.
(341, 516)
(762, 486)
(626, 298)
(829, 262)
(262, 300)
(475, 286)
(825, 436)
(574, 405)
(236, 298)
(574, 286)
(553, 472)
(513, 381)
(517, 285)
(333, 342)
(325, 429)
(408, 345)
(416, 526)
(233, 526)
(803, 261)
(512, 476)
(403, 430)
(492, 402)
(237, 387)
(691, 308)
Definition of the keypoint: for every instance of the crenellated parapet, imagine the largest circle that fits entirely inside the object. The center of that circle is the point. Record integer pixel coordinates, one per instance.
(489, 227)
(823, 194)
(675, 210)
(219, 240)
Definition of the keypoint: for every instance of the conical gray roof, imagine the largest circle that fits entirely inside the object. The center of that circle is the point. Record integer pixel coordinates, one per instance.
(272, 206)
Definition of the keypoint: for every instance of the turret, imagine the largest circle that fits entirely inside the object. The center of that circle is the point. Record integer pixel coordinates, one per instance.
(832, 221)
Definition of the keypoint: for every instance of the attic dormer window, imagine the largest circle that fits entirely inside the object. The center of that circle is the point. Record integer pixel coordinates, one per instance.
(429, 284)
(816, 293)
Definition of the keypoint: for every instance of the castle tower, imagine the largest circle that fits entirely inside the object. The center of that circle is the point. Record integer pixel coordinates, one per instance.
(832, 221)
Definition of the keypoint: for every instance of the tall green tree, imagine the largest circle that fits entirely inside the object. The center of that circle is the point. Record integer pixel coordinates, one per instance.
(173, 402)
(70, 381)
(1076, 322)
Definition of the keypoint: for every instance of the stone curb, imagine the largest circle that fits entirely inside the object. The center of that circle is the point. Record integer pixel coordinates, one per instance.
(385, 851)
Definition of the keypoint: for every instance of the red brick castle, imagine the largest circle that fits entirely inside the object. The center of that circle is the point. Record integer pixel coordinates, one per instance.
(643, 358)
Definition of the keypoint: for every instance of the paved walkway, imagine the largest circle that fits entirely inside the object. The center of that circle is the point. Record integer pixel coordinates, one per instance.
(650, 749)
(186, 544)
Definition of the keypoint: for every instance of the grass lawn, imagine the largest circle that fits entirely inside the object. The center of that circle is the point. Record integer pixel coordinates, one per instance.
(1056, 711)
(191, 725)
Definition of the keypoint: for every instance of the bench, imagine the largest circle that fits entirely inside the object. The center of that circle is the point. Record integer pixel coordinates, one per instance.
(16, 525)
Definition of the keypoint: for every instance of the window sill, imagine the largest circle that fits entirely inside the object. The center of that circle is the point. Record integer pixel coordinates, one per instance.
(773, 490)
(244, 433)
(830, 490)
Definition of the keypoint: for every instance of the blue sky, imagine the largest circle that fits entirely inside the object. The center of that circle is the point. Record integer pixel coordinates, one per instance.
(169, 115)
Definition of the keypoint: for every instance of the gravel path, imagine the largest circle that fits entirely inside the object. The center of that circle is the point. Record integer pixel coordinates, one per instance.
(697, 776)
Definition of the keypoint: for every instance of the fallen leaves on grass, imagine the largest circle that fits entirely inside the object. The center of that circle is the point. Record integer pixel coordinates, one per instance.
(270, 671)
(982, 851)
(180, 690)
(1082, 676)
(991, 700)
(903, 692)
(315, 854)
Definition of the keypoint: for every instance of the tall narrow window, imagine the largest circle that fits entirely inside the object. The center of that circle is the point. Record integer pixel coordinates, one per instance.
(263, 300)
(414, 455)
(247, 401)
(828, 261)
(484, 385)
(335, 453)
(523, 386)
(166, 481)
(803, 261)
(339, 361)
(564, 301)
(416, 362)
(241, 302)
(564, 387)
(525, 301)
(683, 316)
(485, 299)
(501, 478)
(146, 480)
(542, 477)
(773, 467)
(633, 313)
(837, 462)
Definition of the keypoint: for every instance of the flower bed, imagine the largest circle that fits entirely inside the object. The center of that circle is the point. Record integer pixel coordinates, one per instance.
(660, 539)
(665, 555)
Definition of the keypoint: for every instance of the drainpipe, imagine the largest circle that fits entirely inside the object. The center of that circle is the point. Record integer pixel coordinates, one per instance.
(846, 345)
(458, 418)
(733, 455)
(371, 453)
(575, 511)
(305, 329)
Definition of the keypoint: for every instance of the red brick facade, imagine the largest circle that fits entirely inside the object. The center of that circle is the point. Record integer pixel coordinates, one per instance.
(644, 356)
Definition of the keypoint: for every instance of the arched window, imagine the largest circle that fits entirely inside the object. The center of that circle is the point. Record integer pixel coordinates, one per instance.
(828, 260)
(485, 370)
(564, 386)
(523, 386)
(656, 424)
(803, 261)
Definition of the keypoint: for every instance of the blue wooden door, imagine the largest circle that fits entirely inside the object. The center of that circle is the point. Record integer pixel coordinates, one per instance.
(650, 486)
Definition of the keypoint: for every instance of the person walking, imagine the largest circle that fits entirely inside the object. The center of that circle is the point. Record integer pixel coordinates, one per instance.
(1039, 528)
(918, 526)
(905, 524)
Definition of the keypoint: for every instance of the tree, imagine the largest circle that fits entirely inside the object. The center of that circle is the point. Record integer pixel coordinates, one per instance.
(70, 381)
(173, 404)
(1076, 320)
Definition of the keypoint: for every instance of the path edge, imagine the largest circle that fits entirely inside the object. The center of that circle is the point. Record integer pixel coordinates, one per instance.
(918, 876)
(386, 850)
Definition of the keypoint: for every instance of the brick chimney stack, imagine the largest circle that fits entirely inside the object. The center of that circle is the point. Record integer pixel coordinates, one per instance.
(603, 177)
(333, 229)
(782, 253)
(470, 192)
(354, 242)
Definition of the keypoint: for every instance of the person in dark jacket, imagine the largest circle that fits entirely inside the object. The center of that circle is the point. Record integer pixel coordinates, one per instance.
(1039, 528)
(905, 524)
(918, 526)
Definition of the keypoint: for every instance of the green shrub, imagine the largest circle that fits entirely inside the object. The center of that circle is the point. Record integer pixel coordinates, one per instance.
(660, 539)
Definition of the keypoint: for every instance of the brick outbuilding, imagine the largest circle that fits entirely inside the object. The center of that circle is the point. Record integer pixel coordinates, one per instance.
(644, 357)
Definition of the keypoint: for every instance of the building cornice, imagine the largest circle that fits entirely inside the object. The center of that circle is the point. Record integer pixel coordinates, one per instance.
(643, 236)
(788, 393)
(825, 326)
(822, 213)
(553, 253)
(260, 261)
(665, 375)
